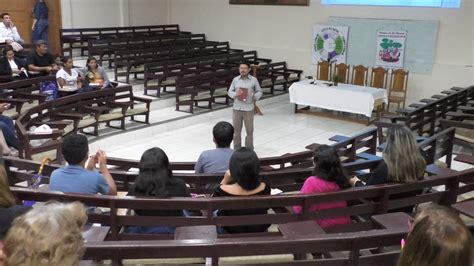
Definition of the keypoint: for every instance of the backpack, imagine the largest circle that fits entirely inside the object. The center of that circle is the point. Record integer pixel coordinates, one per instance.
(50, 88)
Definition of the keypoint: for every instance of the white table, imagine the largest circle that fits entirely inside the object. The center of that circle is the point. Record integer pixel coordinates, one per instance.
(344, 97)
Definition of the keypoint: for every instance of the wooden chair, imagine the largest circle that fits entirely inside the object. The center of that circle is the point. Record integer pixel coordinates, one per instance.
(342, 71)
(398, 88)
(324, 71)
(359, 75)
(379, 78)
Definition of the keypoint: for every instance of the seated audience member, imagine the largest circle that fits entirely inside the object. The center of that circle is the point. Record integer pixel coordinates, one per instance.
(58, 60)
(9, 33)
(155, 180)
(328, 176)
(9, 210)
(7, 128)
(11, 66)
(216, 161)
(402, 163)
(402, 160)
(438, 238)
(242, 179)
(95, 75)
(68, 78)
(40, 61)
(48, 235)
(77, 179)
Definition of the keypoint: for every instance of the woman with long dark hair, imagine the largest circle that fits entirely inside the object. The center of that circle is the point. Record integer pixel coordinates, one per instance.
(242, 179)
(155, 180)
(328, 176)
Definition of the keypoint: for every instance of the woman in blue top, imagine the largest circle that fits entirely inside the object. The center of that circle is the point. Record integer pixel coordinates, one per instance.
(40, 22)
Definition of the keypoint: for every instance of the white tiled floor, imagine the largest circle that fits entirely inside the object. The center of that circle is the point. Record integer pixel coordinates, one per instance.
(278, 131)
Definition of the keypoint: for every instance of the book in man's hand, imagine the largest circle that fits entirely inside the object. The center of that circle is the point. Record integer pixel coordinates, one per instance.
(243, 97)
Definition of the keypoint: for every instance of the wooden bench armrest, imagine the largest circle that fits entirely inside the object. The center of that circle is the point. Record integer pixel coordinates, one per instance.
(465, 207)
(453, 123)
(368, 156)
(141, 99)
(265, 60)
(339, 138)
(434, 169)
(392, 220)
(41, 97)
(459, 115)
(465, 158)
(14, 101)
(300, 229)
(466, 109)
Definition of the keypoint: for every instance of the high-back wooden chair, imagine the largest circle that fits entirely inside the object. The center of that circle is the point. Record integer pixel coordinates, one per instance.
(342, 71)
(359, 75)
(379, 78)
(324, 71)
(398, 88)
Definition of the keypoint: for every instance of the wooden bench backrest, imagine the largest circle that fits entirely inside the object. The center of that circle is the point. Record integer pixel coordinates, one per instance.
(380, 194)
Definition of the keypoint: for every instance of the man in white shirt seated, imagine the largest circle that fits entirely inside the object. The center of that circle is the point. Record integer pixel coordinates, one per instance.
(9, 33)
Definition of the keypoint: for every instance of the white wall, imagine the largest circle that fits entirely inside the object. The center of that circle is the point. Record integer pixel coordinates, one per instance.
(148, 12)
(113, 13)
(284, 33)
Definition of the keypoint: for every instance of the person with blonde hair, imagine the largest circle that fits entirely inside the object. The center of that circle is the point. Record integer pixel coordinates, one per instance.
(402, 163)
(47, 235)
(402, 160)
(438, 238)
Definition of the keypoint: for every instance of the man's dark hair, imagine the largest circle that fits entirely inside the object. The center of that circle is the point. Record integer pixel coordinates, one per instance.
(75, 148)
(40, 42)
(245, 63)
(223, 133)
(5, 14)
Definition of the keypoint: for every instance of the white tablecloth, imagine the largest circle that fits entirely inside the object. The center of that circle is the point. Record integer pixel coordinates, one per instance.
(344, 97)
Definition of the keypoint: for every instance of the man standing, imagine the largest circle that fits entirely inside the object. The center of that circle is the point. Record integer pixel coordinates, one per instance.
(9, 33)
(40, 60)
(245, 90)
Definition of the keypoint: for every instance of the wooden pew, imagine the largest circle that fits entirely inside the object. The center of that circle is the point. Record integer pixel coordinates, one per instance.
(129, 62)
(105, 49)
(118, 102)
(76, 38)
(163, 74)
(197, 87)
(364, 201)
(23, 94)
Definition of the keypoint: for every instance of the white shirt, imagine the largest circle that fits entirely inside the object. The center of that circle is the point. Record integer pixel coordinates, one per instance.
(9, 33)
(13, 65)
(71, 80)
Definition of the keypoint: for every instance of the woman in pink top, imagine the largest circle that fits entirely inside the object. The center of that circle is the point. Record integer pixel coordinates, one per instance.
(328, 176)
